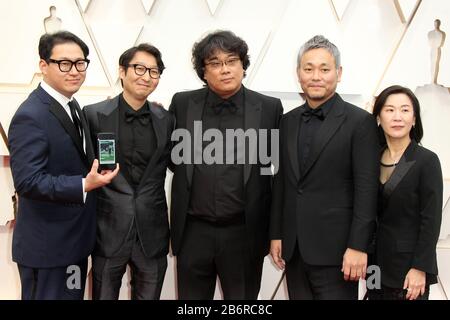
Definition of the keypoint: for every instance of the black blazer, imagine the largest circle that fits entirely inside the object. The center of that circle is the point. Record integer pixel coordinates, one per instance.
(409, 218)
(261, 112)
(118, 204)
(54, 226)
(332, 206)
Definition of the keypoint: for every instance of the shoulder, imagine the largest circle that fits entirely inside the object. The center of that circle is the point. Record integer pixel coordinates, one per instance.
(32, 107)
(429, 166)
(292, 113)
(159, 110)
(99, 105)
(183, 95)
(426, 155)
(357, 117)
(262, 97)
(354, 111)
(180, 98)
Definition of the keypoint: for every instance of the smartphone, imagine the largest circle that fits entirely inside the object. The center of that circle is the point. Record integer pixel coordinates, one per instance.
(106, 148)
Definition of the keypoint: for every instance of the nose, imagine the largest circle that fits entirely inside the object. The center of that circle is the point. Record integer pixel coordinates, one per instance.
(73, 70)
(316, 74)
(397, 115)
(146, 76)
(224, 68)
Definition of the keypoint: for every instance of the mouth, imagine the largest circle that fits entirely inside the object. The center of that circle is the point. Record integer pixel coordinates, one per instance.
(227, 80)
(397, 127)
(74, 81)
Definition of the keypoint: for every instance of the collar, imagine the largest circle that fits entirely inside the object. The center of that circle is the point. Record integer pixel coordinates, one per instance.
(326, 106)
(60, 98)
(213, 99)
(125, 107)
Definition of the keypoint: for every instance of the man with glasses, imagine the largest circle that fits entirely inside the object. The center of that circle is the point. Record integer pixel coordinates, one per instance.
(50, 160)
(220, 211)
(132, 219)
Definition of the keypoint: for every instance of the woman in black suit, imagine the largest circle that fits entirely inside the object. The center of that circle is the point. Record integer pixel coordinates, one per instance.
(410, 200)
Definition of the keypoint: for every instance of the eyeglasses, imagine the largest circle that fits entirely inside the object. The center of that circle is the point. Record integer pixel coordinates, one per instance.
(140, 70)
(216, 65)
(66, 65)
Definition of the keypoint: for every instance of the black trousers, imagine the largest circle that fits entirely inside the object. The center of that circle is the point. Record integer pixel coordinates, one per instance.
(62, 283)
(147, 274)
(210, 251)
(309, 282)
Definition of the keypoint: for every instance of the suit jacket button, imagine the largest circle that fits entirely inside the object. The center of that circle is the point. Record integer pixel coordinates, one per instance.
(300, 191)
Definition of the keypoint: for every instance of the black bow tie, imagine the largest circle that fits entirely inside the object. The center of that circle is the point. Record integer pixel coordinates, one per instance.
(225, 104)
(143, 117)
(309, 113)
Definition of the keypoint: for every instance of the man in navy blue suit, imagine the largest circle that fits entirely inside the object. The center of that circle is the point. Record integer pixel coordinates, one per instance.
(50, 161)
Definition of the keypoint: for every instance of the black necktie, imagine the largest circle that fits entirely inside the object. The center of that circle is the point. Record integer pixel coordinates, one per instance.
(75, 119)
(143, 117)
(309, 113)
(225, 104)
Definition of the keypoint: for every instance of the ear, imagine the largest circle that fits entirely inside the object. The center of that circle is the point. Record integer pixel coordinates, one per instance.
(339, 74)
(298, 74)
(43, 65)
(378, 120)
(122, 72)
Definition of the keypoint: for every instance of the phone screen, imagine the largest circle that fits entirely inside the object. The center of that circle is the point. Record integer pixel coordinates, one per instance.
(107, 151)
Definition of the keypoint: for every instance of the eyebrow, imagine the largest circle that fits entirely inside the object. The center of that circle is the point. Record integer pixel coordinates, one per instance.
(403, 105)
(230, 55)
(312, 64)
(143, 64)
(67, 58)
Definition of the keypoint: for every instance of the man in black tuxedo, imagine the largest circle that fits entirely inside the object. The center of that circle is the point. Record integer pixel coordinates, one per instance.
(220, 212)
(132, 219)
(325, 193)
(54, 170)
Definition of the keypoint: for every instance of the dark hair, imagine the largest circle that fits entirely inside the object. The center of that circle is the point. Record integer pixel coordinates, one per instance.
(49, 40)
(223, 40)
(416, 132)
(129, 54)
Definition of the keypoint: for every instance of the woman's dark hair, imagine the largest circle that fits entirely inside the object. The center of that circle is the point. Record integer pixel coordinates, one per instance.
(49, 40)
(416, 132)
(129, 54)
(223, 40)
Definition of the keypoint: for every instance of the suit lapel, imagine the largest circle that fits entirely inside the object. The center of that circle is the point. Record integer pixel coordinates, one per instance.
(160, 129)
(404, 165)
(58, 111)
(108, 121)
(332, 122)
(194, 112)
(293, 126)
(252, 120)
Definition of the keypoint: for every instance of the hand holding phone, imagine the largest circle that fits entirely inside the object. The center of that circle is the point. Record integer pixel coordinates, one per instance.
(106, 148)
(96, 180)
